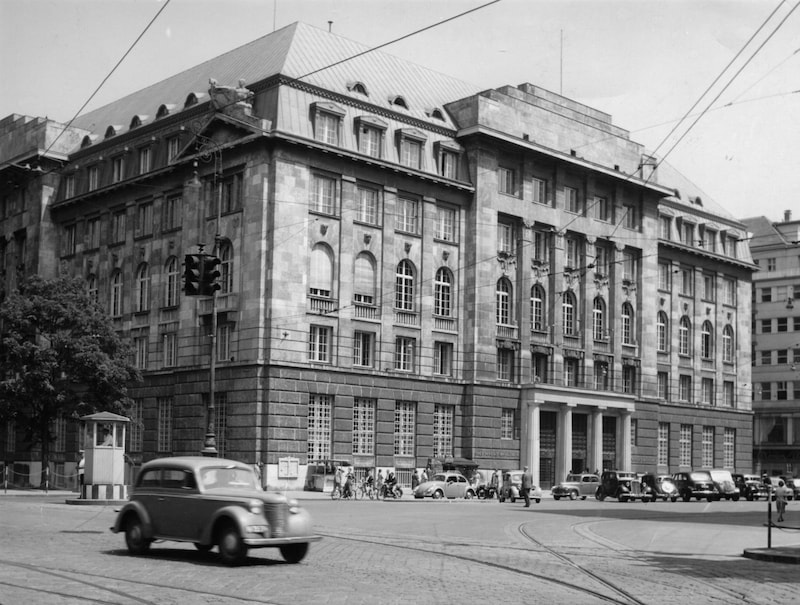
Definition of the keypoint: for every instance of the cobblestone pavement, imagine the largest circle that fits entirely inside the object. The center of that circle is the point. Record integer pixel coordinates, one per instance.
(413, 552)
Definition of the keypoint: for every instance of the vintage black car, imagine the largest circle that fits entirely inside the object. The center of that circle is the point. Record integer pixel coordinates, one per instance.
(623, 486)
(662, 486)
(576, 485)
(751, 486)
(696, 484)
(211, 502)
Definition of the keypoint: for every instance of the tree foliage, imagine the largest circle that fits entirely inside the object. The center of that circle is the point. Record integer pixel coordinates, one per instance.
(60, 355)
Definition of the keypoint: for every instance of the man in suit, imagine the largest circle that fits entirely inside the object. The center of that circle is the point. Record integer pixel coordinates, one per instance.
(527, 483)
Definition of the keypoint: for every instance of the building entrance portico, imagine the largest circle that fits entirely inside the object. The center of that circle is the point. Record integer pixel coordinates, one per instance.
(563, 433)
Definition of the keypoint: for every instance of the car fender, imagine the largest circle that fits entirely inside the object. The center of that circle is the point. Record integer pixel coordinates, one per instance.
(134, 508)
(233, 514)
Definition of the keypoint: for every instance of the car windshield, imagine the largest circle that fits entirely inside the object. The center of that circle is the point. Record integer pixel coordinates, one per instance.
(228, 478)
(721, 476)
(573, 478)
(698, 476)
(439, 477)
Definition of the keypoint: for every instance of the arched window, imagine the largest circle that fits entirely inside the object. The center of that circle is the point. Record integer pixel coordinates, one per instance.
(504, 305)
(91, 287)
(172, 291)
(538, 318)
(568, 312)
(116, 293)
(141, 300)
(599, 318)
(404, 286)
(226, 267)
(443, 293)
(364, 280)
(685, 336)
(321, 278)
(627, 324)
(707, 340)
(662, 332)
(727, 344)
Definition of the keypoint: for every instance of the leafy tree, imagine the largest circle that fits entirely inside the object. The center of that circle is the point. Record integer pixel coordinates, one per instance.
(59, 355)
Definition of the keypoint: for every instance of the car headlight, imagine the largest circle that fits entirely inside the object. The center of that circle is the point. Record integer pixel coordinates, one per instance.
(256, 507)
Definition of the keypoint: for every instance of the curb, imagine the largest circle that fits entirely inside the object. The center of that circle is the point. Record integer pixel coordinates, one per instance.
(774, 555)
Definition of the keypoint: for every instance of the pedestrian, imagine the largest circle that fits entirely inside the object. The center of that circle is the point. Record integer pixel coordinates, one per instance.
(424, 476)
(81, 473)
(338, 479)
(415, 479)
(497, 483)
(527, 483)
(781, 495)
(379, 482)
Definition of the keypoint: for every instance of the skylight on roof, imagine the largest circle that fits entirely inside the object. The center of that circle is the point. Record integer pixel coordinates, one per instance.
(398, 100)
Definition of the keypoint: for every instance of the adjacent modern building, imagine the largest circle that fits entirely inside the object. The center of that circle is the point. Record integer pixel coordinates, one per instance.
(775, 247)
(411, 269)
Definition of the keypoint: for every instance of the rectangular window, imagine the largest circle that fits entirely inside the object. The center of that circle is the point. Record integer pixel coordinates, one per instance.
(319, 427)
(93, 176)
(572, 250)
(164, 430)
(368, 201)
(364, 426)
(224, 335)
(172, 213)
(220, 422)
(448, 164)
(685, 445)
(709, 287)
(144, 219)
(601, 209)
(729, 448)
(571, 200)
(505, 364)
(771, 264)
(687, 281)
(69, 188)
(136, 427)
(707, 391)
(601, 260)
(630, 216)
(766, 358)
(628, 379)
(782, 325)
(173, 148)
(629, 267)
(687, 234)
(411, 153)
(541, 246)
(117, 169)
(727, 394)
(782, 356)
(602, 380)
(145, 156)
(505, 238)
(404, 425)
(324, 191)
(370, 141)
(665, 227)
(766, 326)
(69, 240)
(663, 385)
(93, 233)
(140, 348)
(710, 240)
(662, 456)
(327, 128)
(319, 343)
(539, 190)
(728, 291)
(170, 346)
(685, 388)
(766, 391)
(446, 224)
(507, 180)
(117, 227)
(363, 349)
(231, 192)
(708, 447)
(442, 431)
(404, 351)
(443, 358)
(407, 215)
(571, 372)
(766, 294)
(507, 423)
(665, 276)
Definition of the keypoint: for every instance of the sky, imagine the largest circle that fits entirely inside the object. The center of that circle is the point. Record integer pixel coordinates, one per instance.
(646, 62)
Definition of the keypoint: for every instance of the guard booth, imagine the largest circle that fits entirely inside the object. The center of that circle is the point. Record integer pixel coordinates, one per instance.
(104, 455)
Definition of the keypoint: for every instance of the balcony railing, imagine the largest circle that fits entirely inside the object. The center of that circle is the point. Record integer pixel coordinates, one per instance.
(322, 305)
(708, 364)
(507, 331)
(366, 311)
(406, 318)
(444, 324)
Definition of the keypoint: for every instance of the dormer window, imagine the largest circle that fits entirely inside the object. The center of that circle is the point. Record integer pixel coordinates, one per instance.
(113, 130)
(357, 87)
(370, 132)
(137, 121)
(435, 113)
(193, 98)
(327, 122)
(448, 154)
(164, 110)
(410, 143)
(398, 100)
(88, 140)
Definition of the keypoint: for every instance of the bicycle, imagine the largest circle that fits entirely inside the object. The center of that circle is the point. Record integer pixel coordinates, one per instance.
(365, 489)
(336, 494)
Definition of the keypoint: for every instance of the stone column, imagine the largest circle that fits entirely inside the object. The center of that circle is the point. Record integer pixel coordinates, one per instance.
(624, 444)
(596, 449)
(564, 442)
(531, 441)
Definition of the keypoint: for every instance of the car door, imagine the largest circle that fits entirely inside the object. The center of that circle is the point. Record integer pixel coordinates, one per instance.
(180, 508)
(451, 486)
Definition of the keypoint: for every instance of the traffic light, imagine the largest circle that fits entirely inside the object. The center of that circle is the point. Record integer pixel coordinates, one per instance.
(210, 275)
(192, 274)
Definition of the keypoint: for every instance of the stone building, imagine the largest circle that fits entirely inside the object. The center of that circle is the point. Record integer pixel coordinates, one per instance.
(776, 344)
(412, 269)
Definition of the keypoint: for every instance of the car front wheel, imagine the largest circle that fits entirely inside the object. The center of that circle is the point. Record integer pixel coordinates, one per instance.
(134, 537)
(232, 548)
(469, 495)
(573, 495)
(437, 495)
(294, 553)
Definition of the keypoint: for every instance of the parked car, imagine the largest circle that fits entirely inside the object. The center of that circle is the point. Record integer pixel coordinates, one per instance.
(750, 486)
(695, 484)
(449, 484)
(723, 481)
(623, 486)
(576, 485)
(512, 483)
(793, 483)
(211, 502)
(661, 486)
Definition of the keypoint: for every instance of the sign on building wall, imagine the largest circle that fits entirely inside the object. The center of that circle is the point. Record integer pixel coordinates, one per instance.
(288, 468)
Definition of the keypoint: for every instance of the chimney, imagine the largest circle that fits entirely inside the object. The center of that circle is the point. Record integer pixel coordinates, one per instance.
(787, 216)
